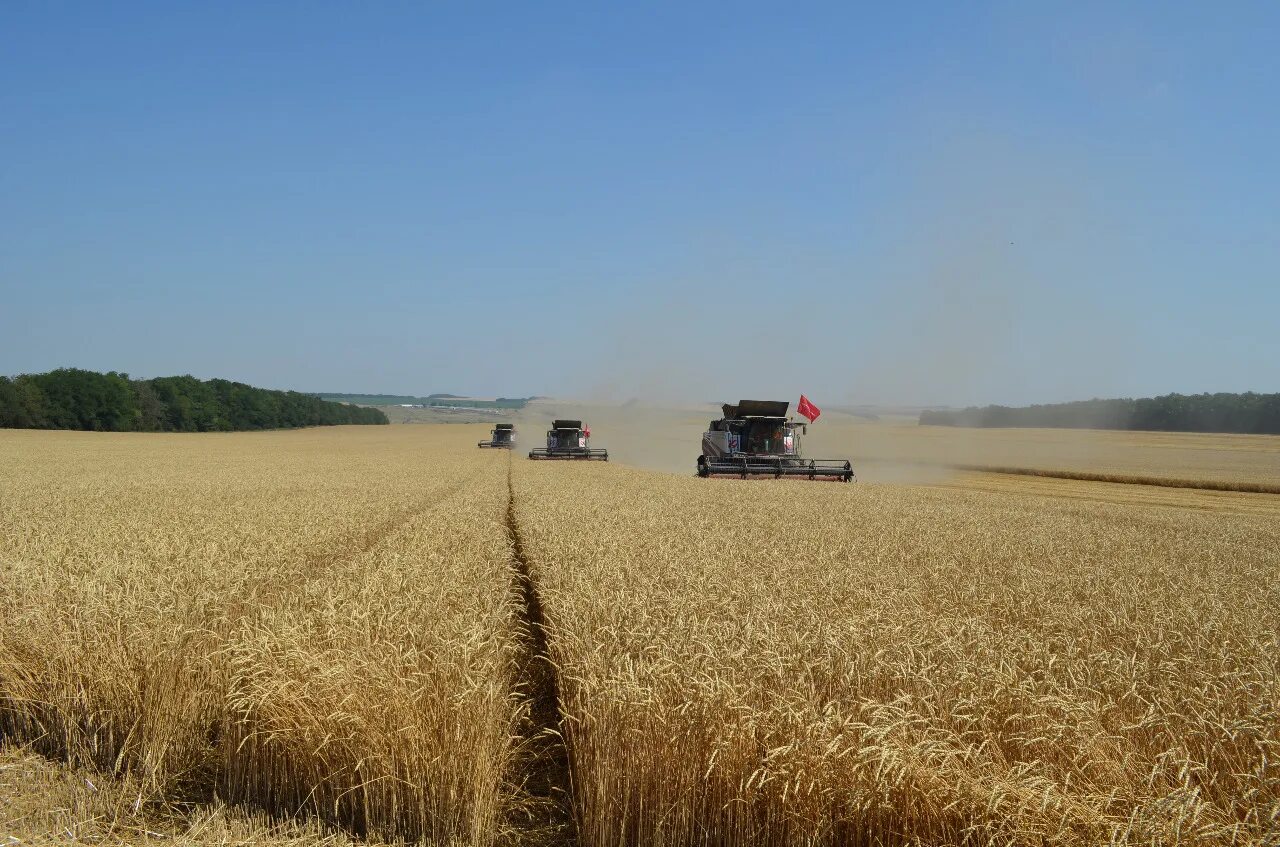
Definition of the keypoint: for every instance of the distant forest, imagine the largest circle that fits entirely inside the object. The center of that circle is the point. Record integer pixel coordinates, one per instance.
(448, 401)
(70, 398)
(1242, 413)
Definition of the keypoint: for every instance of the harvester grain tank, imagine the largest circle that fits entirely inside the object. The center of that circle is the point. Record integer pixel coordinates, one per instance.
(756, 440)
(569, 439)
(503, 435)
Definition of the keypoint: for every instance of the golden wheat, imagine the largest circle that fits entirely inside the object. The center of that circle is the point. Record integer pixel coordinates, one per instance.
(304, 622)
(333, 627)
(776, 663)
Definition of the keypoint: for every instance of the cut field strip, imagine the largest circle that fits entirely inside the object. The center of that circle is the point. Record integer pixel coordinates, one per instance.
(1090, 476)
(1129, 479)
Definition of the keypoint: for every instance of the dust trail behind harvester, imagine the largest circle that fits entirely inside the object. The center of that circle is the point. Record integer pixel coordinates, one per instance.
(656, 437)
(965, 288)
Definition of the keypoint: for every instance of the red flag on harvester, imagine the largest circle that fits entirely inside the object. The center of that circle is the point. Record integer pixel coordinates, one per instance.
(807, 409)
(586, 430)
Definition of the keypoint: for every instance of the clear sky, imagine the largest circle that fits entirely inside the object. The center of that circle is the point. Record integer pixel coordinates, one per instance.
(892, 203)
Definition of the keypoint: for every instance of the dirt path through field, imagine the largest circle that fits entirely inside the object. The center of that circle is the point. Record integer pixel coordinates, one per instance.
(546, 770)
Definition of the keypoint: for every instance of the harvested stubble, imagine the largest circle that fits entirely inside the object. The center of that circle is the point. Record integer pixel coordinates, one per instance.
(1207, 460)
(776, 663)
(318, 623)
(45, 803)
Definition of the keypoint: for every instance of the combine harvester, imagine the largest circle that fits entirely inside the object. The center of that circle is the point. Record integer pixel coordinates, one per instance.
(503, 435)
(756, 440)
(569, 440)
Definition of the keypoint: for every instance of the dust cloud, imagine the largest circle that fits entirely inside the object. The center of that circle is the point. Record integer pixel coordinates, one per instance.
(645, 435)
(989, 278)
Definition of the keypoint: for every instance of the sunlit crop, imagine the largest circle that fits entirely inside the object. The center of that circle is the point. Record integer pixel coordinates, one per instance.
(305, 623)
(783, 663)
(334, 629)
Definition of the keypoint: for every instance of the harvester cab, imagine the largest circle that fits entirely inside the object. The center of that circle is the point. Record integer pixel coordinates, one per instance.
(569, 440)
(756, 439)
(503, 435)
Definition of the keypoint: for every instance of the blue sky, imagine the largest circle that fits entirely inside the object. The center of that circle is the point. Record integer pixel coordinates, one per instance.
(928, 204)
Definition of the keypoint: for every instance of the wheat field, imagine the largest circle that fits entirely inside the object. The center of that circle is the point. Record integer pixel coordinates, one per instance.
(295, 622)
(384, 634)
(783, 664)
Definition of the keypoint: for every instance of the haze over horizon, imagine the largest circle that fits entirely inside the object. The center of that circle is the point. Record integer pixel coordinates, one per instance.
(928, 206)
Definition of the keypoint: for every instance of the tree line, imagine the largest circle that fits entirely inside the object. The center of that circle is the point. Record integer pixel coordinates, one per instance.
(1241, 413)
(71, 398)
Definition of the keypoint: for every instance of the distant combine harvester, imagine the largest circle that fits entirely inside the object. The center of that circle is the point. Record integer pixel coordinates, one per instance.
(569, 439)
